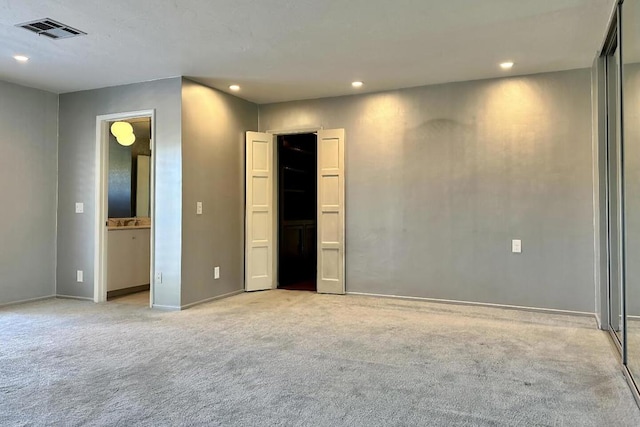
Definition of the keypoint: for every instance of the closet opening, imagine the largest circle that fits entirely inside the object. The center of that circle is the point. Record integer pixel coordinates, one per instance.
(297, 211)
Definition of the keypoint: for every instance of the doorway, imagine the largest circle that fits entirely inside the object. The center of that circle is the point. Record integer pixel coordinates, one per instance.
(297, 211)
(262, 204)
(125, 183)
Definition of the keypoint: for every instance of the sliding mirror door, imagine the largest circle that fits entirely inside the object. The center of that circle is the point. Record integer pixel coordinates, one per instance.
(614, 201)
(631, 177)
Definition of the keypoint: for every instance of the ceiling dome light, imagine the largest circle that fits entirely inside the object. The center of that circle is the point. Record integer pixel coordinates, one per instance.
(506, 65)
(357, 84)
(121, 129)
(234, 88)
(126, 140)
(21, 58)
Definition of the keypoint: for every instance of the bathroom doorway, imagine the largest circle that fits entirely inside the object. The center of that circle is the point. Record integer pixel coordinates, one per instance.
(124, 208)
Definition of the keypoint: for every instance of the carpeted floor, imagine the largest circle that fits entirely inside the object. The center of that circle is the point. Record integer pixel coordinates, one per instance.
(302, 359)
(139, 298)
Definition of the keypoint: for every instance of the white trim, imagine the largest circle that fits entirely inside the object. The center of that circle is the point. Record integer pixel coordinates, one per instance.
(74, 297)
(599, 322)
(166, 307)
(230, 294)
(26, 301)
(480, 304)
(101, 188)
(297, 131)
(275, 196)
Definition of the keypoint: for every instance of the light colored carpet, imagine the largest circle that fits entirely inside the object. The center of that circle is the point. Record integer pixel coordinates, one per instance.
(301, 359)
(139, 298)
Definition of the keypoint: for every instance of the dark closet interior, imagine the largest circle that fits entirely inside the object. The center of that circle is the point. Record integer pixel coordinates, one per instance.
(297, 211)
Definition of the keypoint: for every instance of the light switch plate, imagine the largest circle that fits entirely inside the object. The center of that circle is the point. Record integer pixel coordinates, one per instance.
(516, 246)
(79, 276)
(216, 272)
(199, 208)
(79, 207)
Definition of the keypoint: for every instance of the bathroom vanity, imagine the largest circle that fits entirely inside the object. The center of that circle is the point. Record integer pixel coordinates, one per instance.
(129, 252)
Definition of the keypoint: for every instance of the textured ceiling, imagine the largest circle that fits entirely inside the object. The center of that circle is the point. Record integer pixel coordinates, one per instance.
(280, 50)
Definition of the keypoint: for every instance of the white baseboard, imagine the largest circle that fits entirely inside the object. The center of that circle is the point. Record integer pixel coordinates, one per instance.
(481, 304)
(74, 297)
(230, 294)
(25, 301)
(166, 307)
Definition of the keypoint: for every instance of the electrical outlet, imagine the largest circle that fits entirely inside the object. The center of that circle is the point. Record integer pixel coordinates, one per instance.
(79, 207)
(79, 276)
(516, 246)
(199, 208)
(158, 278)
(216, 272)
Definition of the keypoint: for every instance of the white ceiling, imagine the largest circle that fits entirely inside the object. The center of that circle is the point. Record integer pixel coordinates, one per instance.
(280, 50)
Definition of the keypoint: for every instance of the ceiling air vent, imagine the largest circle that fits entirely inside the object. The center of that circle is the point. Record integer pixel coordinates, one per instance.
(50, 28)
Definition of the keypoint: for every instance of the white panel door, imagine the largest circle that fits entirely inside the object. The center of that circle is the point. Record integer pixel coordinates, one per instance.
(259, 248)
(331, 269)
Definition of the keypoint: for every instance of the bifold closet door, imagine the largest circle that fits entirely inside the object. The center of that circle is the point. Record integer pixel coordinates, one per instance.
(331, 210)
(259, 241)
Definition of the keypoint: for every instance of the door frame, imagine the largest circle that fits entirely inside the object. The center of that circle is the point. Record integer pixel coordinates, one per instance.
(274, 195)
(101, 203)
(274, 198)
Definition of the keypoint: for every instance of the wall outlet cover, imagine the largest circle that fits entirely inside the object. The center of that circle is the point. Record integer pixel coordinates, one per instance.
(516, 246)
(158, 278)
(79, 207)
(216, 272)
(79, 276)
(199, 208)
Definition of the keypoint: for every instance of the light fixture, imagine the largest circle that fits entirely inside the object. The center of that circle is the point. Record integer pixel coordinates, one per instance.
(234, 88)
(121, 128)
(126, 140)
(506, 65)
(123, 131)
(21, 58)
(357, 84)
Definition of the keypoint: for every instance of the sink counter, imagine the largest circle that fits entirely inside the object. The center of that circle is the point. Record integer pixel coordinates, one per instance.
(127, 227)
(134, 223)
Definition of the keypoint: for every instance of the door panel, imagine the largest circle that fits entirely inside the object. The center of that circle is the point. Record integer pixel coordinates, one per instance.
(259, 212)
(331, 211)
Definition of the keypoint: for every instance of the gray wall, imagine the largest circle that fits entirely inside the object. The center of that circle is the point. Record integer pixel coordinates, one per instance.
(28, 168)
(213, 133)
(77, 167)
(439, 179)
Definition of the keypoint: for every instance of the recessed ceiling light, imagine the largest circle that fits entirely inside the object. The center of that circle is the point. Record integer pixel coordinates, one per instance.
(21, 58)
(506, 65)
(357, 84)
(234, 88)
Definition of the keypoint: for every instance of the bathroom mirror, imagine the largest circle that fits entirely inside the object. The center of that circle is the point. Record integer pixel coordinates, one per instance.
(129, 169)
